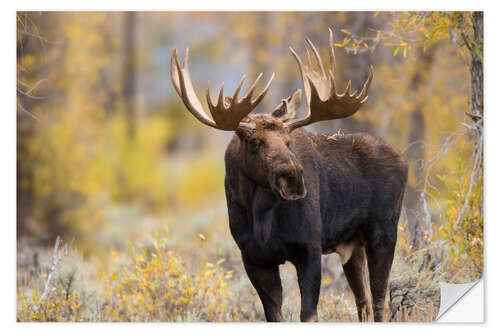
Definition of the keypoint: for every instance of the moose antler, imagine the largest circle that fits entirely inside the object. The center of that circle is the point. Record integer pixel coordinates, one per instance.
(323, 101)
(228, 113)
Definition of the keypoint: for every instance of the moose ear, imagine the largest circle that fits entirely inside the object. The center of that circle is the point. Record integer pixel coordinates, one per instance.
(287, 109)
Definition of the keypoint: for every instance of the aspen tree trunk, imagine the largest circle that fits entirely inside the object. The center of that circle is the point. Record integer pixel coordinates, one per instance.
(476, 105)
(26, 122)
(476, 68)
(419, 224)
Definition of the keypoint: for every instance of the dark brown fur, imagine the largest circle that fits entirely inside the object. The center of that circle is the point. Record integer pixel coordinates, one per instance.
(295, 196)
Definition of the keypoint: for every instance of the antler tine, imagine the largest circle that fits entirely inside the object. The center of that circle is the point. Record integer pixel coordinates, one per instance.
(227, 115)
(316, 54)
(237, 91)
(248, 96)
(309, 62)
(347, 89)
(302, 73)
(174, 70)
(220, 100)
(297, 58)
(209, 99)
(332, 51)
(363, 95)
(314, 90)
(333, 85)
(186, 59)
(182, 83)
(259, 98)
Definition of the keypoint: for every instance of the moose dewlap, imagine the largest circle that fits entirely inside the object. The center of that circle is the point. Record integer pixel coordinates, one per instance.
(293, 196)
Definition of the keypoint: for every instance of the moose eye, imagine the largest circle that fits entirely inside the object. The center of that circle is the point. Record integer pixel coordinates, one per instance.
(254, 145)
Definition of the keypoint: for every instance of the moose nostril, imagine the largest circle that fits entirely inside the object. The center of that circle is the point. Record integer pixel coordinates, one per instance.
(282, 182)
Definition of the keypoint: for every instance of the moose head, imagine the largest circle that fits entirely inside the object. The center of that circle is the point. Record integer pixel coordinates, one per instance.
(266, 150)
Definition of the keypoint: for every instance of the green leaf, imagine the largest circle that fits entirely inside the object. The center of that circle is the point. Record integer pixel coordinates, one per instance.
(478, 52)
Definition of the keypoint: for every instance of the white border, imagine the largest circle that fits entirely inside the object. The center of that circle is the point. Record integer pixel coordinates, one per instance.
(8, 131)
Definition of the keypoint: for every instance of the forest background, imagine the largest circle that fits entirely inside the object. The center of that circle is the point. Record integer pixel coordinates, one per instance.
(121, 213)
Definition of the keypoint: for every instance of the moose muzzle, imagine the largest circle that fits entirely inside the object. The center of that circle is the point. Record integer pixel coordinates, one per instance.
(288, 182)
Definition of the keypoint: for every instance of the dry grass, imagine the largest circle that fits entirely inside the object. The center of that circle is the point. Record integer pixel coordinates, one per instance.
(197, 275)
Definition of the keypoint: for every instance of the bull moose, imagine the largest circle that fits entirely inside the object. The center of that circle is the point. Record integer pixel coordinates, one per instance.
(292, 195)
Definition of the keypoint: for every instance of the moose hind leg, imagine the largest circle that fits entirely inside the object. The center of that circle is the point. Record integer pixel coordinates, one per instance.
(309, 275)
(380, 255)
(355, 273)
(267, 283)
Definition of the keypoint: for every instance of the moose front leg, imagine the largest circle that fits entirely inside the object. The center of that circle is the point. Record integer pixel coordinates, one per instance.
(267, 282)
(308, 269)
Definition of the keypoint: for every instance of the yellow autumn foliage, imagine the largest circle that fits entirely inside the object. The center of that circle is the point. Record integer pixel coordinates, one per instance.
(149, 284)
(153, 286)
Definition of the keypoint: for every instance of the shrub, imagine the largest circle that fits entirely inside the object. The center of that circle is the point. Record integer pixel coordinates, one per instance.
(60, 306)
(65, 297)
(464, 237)
(154, 286)
(151, 284)
(414, 287)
